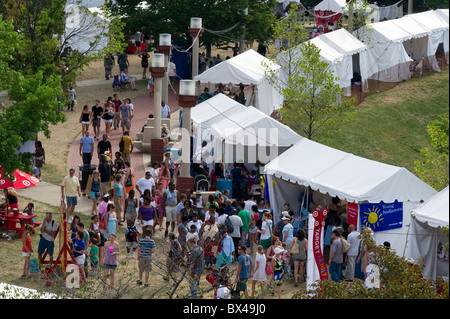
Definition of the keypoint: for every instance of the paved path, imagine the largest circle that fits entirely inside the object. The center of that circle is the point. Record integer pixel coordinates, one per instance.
(143, 106)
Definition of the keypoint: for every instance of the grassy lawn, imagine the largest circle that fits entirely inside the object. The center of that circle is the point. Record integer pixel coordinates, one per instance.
(390, 126)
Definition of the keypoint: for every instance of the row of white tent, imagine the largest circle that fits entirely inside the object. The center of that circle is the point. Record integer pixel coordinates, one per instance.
(384, 53)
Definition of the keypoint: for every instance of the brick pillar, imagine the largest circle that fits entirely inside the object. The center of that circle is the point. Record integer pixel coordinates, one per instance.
(157, 150)
(184, 183)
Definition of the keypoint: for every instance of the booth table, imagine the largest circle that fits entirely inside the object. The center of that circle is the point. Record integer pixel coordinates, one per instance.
(17, 223)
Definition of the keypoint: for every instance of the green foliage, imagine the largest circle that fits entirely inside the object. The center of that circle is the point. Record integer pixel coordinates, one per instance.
(435, 168)
(174, 17)
(399, 279)
(32, 36)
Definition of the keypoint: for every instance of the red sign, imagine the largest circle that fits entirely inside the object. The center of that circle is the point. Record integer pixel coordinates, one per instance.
(319, 222)
(352, 214)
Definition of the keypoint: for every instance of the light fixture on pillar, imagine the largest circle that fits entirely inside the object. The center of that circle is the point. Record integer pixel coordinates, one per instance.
(195, 31)
(158, 72)
(164, 47)
(187, 99)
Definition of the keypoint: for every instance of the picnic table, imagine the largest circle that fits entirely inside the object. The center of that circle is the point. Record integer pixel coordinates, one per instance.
(17, 223)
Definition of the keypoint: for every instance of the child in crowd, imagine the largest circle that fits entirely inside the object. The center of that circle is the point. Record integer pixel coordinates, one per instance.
(79, 250)
(93, 255)
(27, 250)
(95, 223)
(210, 250)
(173, 256)
(131, 233)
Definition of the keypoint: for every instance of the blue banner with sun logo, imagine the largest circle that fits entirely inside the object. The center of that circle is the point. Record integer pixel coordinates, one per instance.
(381, 216)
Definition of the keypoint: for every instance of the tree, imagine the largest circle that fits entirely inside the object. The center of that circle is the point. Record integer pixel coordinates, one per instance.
(174, 17)
(34, 72)
(435, 168)
(313, 99)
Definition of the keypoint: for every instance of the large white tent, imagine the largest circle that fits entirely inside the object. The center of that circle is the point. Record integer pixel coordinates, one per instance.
(352, 178)
(444, 13)
(247, 68)
(251, 135)
(425, 235)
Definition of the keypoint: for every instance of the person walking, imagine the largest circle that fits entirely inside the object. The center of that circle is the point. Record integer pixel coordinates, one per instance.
(244, 270)
(70, 188)
(297, 250)
(47, 241)
(259, 273)
(336, 256)
(145, 251)
(171, 198)
(39, 159)
(195, 265)
(111, 250)
(354, 240)
(86, 148)
(26, 250)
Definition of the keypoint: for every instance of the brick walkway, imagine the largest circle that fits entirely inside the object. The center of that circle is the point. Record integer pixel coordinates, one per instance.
(143, 106)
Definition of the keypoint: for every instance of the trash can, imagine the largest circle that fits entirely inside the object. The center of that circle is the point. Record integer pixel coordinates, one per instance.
(85, 171)
(222, 184)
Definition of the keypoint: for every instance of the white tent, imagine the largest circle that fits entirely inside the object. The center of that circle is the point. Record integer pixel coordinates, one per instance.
(337, 48)
(85, 28)
(387, 59)
(353, 178)
(205, 114)
(444, 13)
(439, 27)
(247, 68)
(251, 135)
(426, 233)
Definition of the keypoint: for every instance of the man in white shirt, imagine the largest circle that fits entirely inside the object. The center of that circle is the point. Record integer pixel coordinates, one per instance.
(144, 183)
(165, 110)
(172, 72)
(249, 203)
(237, 225)
(353, 239)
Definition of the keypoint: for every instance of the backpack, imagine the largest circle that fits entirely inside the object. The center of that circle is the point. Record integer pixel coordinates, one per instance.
(252, 223)
(345, 245)
(131, 235)
(229, 224)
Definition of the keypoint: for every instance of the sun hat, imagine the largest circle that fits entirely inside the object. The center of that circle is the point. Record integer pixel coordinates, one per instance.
(278, 250)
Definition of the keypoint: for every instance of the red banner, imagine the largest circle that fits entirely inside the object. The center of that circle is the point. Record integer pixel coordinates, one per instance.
(319, 222)
(352, 214)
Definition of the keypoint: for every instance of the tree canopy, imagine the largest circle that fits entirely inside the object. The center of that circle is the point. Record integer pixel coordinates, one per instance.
(34, 73)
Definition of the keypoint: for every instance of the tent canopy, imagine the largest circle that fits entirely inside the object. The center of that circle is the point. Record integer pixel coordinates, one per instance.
(252, 127)
(247, 68)
(435, 211)
(347, 176)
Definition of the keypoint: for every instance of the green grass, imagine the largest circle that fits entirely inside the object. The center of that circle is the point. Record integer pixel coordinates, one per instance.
(390, 126)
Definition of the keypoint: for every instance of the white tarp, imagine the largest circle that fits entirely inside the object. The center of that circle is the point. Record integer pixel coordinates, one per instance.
(426, 232)
(352, 178)
(247, 135)
(339, 6)
(247, 68)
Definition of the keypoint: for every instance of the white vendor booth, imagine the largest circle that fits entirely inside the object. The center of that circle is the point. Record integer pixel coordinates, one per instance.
(351, 178)
(247, 68)
(425, 237)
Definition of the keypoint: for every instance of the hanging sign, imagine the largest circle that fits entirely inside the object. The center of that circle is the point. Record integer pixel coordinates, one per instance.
(381, 216)
(319, 223)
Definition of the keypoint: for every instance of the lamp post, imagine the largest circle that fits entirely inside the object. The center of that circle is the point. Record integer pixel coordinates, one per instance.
(165, 42)
(187, 98)
(158, 72)
(195, 31)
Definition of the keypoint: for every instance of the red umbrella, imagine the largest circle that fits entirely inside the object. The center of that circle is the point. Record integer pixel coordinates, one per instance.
(18, 181)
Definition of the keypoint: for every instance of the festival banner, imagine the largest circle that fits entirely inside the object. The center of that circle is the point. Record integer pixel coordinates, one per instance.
(352, 214)
(381, 216)
(319, 223)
